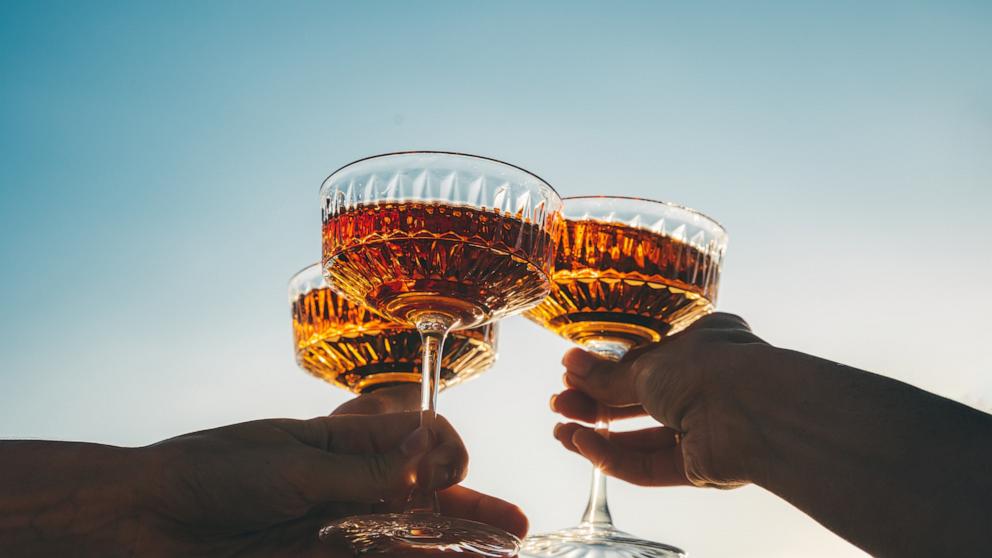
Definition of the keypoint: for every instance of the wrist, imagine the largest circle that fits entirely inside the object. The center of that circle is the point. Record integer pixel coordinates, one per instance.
(771, 388)
(744, 392)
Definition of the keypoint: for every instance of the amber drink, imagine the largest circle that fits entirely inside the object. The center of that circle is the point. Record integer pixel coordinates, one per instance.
(353, 347)
(408, 258)
(627, 273)
(442, 242)
(614, 281)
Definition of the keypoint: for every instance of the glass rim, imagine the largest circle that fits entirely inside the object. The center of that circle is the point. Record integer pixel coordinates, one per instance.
(441, 152)
(293, 277)
(696, 212)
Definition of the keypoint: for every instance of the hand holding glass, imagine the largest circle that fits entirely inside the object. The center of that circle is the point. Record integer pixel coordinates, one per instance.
(627, 273)
(440, 242)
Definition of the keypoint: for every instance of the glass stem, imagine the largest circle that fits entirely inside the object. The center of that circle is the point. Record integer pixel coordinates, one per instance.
(598, 509)
(433, 330)
(597, 512)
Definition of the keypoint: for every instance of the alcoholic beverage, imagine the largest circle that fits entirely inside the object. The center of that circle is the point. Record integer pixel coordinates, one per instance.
(620, 283)
(352, 347)
(441, 242)
(617, 285)
(411, 258)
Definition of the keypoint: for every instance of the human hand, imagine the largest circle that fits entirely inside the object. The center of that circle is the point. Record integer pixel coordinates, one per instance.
(265, 487)
(456, 501)
(687, 382)
(390, 399)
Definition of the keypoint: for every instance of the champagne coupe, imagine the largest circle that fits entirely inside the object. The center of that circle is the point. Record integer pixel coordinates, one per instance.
(441, 242)
(627, 272)
(352, 347)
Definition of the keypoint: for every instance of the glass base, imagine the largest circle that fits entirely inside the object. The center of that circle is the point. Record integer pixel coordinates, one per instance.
(595, 541)
(410, 534)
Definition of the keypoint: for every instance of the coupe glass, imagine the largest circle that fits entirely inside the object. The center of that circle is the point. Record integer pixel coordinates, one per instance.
(627, 272)
(351, 346)
(440, 242)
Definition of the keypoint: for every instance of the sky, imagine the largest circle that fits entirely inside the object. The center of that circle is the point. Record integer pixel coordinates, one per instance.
(160, 163)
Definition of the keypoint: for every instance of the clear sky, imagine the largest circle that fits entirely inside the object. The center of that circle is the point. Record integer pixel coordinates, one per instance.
(159, 166)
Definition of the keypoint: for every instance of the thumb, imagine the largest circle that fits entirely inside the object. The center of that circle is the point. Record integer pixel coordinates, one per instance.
(389, 399)
(368, 477)
(609, 382)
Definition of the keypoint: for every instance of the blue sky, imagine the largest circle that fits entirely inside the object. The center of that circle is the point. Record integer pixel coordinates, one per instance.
(159, 166)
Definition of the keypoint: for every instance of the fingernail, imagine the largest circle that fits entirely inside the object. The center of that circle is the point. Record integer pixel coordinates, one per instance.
(440, 476)
(557, 429)
(552, 404)
(417, 442)
(579, 362)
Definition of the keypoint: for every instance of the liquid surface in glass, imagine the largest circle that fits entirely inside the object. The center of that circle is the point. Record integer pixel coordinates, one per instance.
(406, 259)
(615, 282)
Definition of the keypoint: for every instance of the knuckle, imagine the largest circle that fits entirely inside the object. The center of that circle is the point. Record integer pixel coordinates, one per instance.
(723, 320)
(649, 382)
(443, 431)
(643, 371)
(704, 336)
(375, 405)
(644, 361)
(314, 433)
(442, 423)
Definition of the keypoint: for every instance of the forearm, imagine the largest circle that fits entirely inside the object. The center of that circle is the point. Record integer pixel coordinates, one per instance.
(66, 498)
(894, 469)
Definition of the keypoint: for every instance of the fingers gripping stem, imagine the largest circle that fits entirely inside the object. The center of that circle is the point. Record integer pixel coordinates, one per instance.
(433, 329)
(598, 509)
